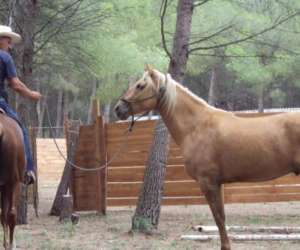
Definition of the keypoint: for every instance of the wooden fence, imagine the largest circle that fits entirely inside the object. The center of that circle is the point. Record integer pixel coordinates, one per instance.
(119, 184)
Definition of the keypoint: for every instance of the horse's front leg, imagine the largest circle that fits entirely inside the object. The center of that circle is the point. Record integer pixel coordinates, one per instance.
(5, 235)
(212, 191)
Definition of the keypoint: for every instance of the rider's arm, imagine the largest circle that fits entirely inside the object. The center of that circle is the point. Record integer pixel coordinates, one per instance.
(16, 84)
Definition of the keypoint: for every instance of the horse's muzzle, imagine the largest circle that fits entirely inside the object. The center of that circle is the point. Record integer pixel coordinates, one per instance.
(122, 110)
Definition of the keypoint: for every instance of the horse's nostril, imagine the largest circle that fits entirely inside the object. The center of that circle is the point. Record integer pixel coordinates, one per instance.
(117, 108)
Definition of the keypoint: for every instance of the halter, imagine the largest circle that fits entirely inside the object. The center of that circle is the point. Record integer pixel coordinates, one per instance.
(156, 94)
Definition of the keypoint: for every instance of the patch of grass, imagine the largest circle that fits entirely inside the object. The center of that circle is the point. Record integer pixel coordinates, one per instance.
(69, 230)
(23, 239)
(48, 245)
(254, 220)
(173, 244)
(142, 224)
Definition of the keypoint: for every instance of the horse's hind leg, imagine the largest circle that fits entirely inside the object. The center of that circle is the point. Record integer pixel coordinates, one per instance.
(4, 213)
(12, 212)
(212, 192)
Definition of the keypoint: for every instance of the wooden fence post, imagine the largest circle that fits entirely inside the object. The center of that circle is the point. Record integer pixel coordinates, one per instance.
(103, 160)
(100, 156)
(65, 182)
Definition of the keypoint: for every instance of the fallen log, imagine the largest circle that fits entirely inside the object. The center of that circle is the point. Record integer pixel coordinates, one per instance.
(245, 237)
(258, 229)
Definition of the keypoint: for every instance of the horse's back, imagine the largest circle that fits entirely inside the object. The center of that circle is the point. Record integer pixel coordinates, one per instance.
(12, 155)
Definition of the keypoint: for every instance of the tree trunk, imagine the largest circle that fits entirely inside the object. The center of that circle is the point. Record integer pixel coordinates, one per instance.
(64, 184)
(22, 20)
(263, 60)
(59, 109)
(93, 95)
(72, 109)
(66, 104)
(177, 66)
(24, 14)
(147, 212)
(261, 99)
(212, 87)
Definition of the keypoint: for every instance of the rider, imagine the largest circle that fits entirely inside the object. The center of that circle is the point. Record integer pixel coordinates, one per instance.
(8, 72)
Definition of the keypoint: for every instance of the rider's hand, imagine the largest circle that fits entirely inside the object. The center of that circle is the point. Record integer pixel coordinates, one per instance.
(35, 95)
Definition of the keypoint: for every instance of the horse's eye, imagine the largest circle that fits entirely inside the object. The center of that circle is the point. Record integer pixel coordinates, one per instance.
(140, 86)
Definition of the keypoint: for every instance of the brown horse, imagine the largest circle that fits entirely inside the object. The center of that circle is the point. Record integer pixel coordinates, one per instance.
(218, 146)
(12, 160)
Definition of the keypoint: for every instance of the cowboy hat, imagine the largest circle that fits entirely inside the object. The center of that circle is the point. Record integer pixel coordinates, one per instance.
(7, 32)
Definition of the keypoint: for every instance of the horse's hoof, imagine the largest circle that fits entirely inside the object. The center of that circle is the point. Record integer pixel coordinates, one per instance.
(226, 248)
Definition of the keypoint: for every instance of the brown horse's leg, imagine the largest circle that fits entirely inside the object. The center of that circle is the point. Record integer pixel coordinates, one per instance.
(4, 212)
(12, 213)
(212, 192)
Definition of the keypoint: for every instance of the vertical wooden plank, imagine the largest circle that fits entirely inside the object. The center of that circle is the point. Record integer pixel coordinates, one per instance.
(103, 160)
(95, 110)
(97, 121)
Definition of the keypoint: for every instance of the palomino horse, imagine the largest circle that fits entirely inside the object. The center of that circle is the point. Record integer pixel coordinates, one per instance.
(12, 159)
(218, 146)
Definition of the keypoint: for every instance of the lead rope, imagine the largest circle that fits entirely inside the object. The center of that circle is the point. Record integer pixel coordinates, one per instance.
(126, 134)
(72, 165)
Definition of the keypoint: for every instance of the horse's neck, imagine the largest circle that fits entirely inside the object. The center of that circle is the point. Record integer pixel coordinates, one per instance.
(188, 114)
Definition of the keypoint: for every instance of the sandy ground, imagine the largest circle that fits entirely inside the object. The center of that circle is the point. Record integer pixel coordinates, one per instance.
(111, 231)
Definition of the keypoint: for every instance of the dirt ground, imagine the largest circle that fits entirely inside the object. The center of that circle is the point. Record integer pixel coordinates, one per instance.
(111, 232)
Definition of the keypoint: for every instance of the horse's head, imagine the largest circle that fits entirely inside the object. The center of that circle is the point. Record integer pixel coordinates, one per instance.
(143, 95)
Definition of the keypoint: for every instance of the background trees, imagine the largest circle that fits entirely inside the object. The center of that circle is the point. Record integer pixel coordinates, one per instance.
(242, 54)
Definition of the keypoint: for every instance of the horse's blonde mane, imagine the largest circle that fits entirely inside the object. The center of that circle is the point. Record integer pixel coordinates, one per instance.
(169, 98)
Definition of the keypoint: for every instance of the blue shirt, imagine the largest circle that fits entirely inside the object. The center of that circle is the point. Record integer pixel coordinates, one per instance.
(7, 71)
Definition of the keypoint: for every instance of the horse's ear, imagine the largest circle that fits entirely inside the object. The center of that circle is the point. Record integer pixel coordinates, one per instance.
(148, 67)
(150, 70)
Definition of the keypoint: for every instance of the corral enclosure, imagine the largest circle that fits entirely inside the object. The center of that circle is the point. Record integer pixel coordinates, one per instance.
(128, 155)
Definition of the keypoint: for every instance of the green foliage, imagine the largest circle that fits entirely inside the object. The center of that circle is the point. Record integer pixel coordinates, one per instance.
(259, 62)
(124, 45)
(109, 41)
